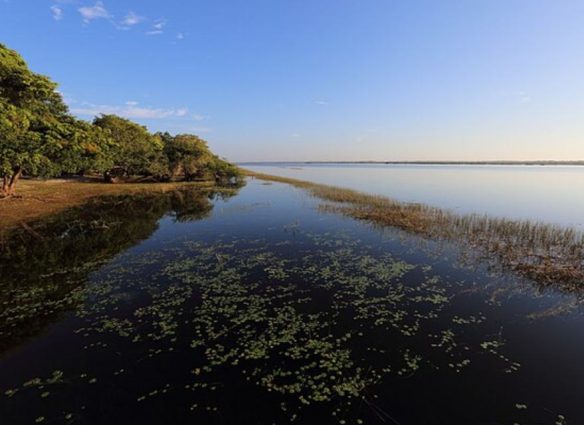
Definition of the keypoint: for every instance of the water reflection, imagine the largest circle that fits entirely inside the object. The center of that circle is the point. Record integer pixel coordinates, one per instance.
(268, 311)
(43, 264)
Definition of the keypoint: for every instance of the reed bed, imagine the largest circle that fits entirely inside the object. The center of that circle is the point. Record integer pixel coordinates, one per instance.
(545, 253)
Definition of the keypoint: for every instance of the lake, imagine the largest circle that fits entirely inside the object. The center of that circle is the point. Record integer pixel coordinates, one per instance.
(552, 194)
(255, 306)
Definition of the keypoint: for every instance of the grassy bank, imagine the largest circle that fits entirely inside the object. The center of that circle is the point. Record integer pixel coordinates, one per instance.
(36, 199)
(545, 253)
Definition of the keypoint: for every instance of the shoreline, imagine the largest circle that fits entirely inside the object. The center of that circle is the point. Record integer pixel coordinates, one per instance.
(547, 254)
(36, 199)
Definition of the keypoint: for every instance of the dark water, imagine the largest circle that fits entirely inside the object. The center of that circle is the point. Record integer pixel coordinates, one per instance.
(257, 308)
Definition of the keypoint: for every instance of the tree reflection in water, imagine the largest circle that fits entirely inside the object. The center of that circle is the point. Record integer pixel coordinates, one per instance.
(44, 264)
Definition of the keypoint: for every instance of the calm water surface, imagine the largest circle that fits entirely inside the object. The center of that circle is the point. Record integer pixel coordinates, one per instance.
(257, 308)
(551, 194)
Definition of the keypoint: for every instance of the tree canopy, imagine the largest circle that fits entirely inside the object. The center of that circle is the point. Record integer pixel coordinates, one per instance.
(135, 148)
(40, 138)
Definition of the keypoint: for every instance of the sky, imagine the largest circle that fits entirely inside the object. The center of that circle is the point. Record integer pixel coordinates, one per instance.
(294, 80)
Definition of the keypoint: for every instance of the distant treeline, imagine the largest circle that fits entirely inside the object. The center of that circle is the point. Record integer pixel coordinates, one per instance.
(40, 138)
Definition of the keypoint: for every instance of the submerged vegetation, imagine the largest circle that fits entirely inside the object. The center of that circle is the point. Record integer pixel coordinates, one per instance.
(545, 253)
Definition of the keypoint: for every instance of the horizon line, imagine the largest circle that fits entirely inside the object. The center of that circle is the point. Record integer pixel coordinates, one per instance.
(424, 162)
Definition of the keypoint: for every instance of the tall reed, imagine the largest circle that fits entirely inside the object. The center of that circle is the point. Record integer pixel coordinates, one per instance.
(546, 253)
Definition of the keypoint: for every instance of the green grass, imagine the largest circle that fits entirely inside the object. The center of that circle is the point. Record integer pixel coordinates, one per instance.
(545, 253)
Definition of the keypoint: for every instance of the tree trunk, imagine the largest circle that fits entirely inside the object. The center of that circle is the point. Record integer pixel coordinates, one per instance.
(14, 180)
(5, 180)
(9, 182)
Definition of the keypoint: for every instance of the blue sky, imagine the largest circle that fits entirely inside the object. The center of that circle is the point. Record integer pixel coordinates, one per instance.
(322, 79)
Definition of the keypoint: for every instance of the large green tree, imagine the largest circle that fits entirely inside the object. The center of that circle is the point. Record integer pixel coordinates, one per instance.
(189, 157)
(38, 136)
(30, 108)
(136, 151)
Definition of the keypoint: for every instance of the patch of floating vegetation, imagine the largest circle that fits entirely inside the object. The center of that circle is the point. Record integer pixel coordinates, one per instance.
(545, 253)
(312, 324)
(320, 326)
(44, 264)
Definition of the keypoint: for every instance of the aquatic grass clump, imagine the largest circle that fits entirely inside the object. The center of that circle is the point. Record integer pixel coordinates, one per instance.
(545, 253)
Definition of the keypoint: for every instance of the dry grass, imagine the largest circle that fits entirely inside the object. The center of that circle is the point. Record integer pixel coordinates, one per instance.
(545, 253)
(36, 198)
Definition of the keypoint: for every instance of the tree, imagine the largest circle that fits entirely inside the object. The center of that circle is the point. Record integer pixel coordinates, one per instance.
(188, 156)
(135, 151)
(223, 170)
(88, 148)
(31, 110)
(38, 136)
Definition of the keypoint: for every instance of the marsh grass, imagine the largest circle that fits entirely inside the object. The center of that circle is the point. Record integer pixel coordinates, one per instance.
(545, 253)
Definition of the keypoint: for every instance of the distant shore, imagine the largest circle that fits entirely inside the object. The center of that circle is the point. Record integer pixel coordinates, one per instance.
(532, 163)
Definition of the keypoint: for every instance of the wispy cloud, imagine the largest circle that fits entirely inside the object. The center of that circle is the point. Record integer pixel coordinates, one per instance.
(132, 19)
(57, 13)
(159, 24)
(321, 102)
(90, 13)
(180, 36)
(157, 27)
(130, 109)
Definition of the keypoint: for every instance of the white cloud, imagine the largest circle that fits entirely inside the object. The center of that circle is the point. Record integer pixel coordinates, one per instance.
(321, 102)
(160, 24)
(57, 13)
(198, 117)
(180, 36)
(98, 11)
(130, 110)
(132, 19)
(157, 27)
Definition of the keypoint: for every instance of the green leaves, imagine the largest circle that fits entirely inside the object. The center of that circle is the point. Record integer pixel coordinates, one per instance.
(40, 137)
